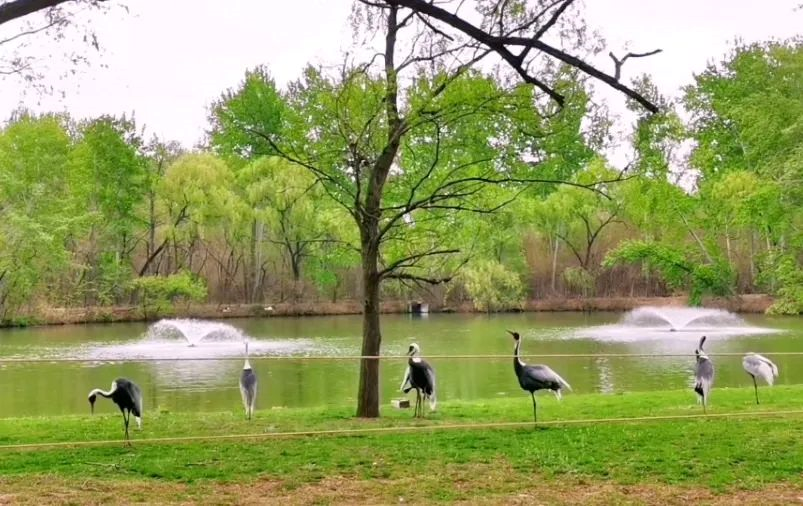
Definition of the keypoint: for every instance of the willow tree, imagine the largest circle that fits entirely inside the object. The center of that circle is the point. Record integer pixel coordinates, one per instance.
(415, 134)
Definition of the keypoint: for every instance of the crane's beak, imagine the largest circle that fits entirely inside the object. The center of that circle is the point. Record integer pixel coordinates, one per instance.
(511, 333)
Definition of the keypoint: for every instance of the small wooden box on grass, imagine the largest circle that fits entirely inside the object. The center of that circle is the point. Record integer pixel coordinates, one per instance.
(400, 403)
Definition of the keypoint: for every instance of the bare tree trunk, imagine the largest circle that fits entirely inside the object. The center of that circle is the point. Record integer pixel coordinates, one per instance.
(752, 259)
(151, 233)
(728, 243)
(370, 237)
(555, 262)
(256, 257)
(368, 395)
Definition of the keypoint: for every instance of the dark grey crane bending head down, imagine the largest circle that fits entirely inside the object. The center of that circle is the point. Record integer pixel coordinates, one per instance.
(128, 397)
(703, 374)
(248, 386)
(759, 365)
(421, 377)
(536, 377)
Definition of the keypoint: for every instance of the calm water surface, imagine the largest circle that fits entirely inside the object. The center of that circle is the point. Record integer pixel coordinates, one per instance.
(201, 384)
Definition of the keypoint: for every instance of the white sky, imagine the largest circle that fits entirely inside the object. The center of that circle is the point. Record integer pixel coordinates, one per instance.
(165, 61)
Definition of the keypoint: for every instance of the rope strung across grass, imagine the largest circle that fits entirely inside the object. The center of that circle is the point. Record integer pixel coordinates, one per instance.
(386, 357)
(385, 430)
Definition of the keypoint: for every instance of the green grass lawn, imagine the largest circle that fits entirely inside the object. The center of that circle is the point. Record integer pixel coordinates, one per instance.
(706, 455)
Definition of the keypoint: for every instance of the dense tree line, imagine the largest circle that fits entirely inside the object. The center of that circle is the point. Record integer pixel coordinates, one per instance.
(93, 214)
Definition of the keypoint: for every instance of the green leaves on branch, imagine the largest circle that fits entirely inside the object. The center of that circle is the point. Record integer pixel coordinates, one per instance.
(157, 295)
(492, 286)
(242, 117)
(783, 277)
(677, 267)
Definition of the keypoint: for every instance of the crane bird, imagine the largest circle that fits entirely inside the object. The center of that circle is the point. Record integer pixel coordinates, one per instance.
(703, 374)
(759, 365)
(536, 377)
(128, 397)
(248, 386)
(421, 377)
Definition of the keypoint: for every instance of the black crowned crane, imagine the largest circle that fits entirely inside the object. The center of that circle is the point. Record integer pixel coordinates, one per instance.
(761, 366)
(128, 397)
(248, 386)
(703, 374)
(421, 377)
(536, 377)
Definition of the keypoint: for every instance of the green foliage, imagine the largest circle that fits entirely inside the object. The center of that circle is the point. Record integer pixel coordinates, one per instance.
(241, 117)
(300, 220)
(492, 286)
(579, 279)
(782, 275)
(678, 268)
(656, 136)
(747, 110)
(577, 215)
(87, 206)
(38, 211)
(109, 173)
(157, 295)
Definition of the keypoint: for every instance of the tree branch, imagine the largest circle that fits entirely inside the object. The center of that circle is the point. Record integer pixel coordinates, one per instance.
(411, 260)
(405, 276)
(552, 20)
(499, 44)
(617, 73)
(10, 11)
(32, 31)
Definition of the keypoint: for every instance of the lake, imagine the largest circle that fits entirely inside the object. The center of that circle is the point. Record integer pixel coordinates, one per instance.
(208, 377)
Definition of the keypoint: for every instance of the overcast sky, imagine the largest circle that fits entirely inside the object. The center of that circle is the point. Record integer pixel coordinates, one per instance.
(165, 61)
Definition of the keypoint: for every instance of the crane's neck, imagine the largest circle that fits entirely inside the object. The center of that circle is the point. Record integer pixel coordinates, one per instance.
(247, 364)
(518, 365)
(100, 392)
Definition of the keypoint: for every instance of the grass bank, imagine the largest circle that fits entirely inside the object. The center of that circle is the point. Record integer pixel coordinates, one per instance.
(753, 303)
(711, 459)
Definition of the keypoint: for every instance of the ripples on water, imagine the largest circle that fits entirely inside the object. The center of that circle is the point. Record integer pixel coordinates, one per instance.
(207, 377)
(679, 326)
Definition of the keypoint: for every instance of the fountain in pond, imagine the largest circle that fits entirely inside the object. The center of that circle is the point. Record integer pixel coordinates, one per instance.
(195, 339)
(676, 319)
(194, 331)
(672, 323)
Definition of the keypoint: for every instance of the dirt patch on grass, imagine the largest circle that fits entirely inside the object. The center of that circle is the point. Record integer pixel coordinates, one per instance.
(485, 484)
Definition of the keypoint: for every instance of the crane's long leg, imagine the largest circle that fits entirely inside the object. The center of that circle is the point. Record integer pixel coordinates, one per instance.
(420, 403)
(705, 401)
(535, 416)
(126, 419)
(755, 385)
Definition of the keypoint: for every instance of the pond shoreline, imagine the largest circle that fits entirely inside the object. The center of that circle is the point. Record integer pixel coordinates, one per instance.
(754, 303)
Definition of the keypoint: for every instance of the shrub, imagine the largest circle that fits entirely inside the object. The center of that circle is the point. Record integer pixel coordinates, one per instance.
(157, 295)
(492, 286)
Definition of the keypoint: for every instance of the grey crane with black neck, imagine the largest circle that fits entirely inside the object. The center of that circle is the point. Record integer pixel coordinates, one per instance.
(248, 386)
(536, 377)
(703, 374)
(128, 397)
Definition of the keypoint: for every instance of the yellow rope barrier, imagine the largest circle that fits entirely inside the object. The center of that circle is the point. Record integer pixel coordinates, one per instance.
(380, 430)
(386, 357)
